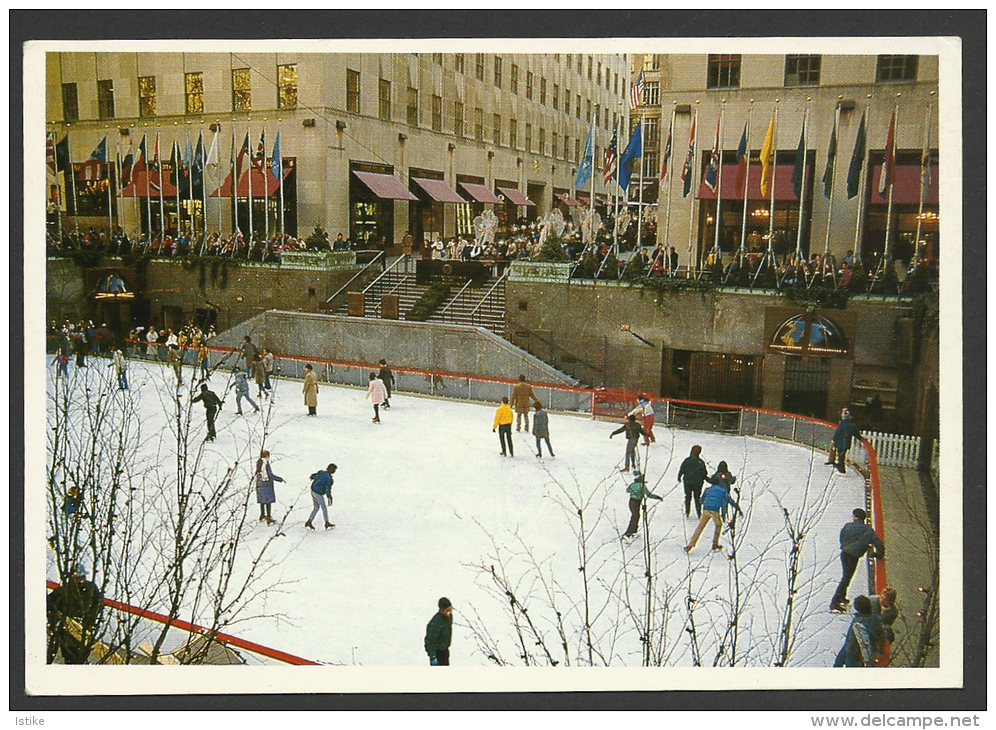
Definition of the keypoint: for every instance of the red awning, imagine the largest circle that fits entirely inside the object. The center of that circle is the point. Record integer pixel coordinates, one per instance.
(383, 186)
(262, 187)
(145, 184)
(783, 184)
(568, 200)
(906, 188)
(480, 193)
(438, 190)
(583, 198)
(515, 197)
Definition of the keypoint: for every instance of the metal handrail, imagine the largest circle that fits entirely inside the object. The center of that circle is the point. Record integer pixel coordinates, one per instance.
(358, 274)
(384, 272)
(487, 294)
(455, 297)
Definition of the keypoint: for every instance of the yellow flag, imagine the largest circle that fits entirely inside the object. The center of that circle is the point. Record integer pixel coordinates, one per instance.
(767, 157)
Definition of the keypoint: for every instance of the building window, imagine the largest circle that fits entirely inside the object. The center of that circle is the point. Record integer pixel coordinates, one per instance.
(146, 96)
(650, 169)
(651, 132)
(458, 62)
(615, 120)
(287, 86)
(554, 149)
(801, 70)
(567, 148)
(577, 106)
(591, 64)
(437, 58)
(577, 150)
(412, 115)
(598, 116)
(384, 99)
(479, 124)
(514, 80)
(193, 84)
(352, 91)
(437, 113)
(651, 62)
(567, 61)
(529, 137)
(556, 97)
(70, 103)
(615, 83)
(458, 119)
(542, 141)
(587, 115)
(724, 71)
(529, 84)
(496, 128)
(479, 71)
(513, 133)
(598, 75)
(543, 91)
(897, 68)
(579, 63)
(497, 72)
(105, 99)
(652, 93)
(241, 90)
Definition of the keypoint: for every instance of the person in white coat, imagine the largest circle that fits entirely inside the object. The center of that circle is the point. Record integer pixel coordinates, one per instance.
(377, 393)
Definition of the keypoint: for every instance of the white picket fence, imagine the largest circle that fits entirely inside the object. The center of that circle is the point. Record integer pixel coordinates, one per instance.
(893, 449)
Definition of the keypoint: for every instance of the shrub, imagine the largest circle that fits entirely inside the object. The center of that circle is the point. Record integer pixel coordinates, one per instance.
(429, 302)
(552, 251)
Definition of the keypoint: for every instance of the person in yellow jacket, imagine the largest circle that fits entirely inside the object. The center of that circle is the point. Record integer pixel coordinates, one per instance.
(503, 424)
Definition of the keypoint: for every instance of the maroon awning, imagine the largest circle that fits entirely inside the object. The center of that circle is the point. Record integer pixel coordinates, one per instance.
(568, 200)
(145, 184)
(438, 190)
(383, 186)
(515, 197)
(480, 193)
(906, 188)
(583, 198)
(784, 189)
(262, 186)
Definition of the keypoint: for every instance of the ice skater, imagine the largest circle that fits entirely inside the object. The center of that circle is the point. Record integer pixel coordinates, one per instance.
(174, 357)
(310, 390)
(541, 430)
(522, 399)
(202, 361)
(259, 375)
(377, 393)
(321, 489)
(386, 377)
(241, 386)
(715, 500)
(212, 404)
(841, 441)
(645, 412)
(439, 634)
(249, 353)
(855, 539)
(503, 424)
(637, 493)
(723, 477)
(865, 638)
(120, 365)
(265, 494)
(693, 471)
(633, 431)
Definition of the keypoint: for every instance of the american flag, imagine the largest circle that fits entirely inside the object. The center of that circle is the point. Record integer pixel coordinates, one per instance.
(636, 92)
(609, 171)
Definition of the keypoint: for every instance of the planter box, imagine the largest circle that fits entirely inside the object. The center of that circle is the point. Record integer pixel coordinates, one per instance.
(321, 260)
(540, 270)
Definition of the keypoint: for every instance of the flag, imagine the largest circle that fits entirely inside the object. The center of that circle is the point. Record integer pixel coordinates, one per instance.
(211, 158)
(742, 154)
(925, 163)
(139, 165)
(711, 175)
(831, 162)
(62, 152)
(636, 92)
(798, 172)
(629, 157)
(188, 153)
(126, 165)
(241, 156)
(857, 161)
(259, 159)
(197, 163)
(609, 171)
(767, 157)
(667, 154)
(277, 161)
(100, 153)
(584, 169)
(50, 153)
(888, 174)
(155, 160)
(686, 171)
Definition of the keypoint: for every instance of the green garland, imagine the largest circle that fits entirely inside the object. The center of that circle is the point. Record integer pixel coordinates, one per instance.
(429, 302)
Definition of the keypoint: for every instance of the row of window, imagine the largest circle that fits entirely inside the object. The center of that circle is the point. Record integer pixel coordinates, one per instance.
(597, 73)
(800, 70)
(193, 86)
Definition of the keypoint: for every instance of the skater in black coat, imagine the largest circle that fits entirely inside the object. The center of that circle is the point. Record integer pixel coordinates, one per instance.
(693, 471)
(439, 634)
(212, 404)
(633, 431)
(387, 377)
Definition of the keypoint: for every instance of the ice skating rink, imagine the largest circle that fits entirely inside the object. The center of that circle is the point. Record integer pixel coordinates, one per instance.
(425, 506)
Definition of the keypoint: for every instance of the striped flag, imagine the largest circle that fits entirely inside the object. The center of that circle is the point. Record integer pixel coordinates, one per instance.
(712, 169)
(888, 174)
(667, 155)
(686, 171)
(609, 170)
(636, 92)
(50, 153)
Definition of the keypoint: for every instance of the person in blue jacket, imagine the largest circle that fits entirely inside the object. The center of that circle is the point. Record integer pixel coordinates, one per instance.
(855, 539)
(637, 492)
(715, 501)
(693, 471)
(842, 437)
(321, 488)
(865, 638)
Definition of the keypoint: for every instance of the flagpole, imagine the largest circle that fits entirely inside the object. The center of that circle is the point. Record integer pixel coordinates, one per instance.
(615, 220)
(72, 182)
(251, 162)
(148, 189)
(162, 204)
(833, 186)
(743, 227)
(178, 157)
(235, 195)
(770, 253)
(887, 251)
(204, 185)
(266, 194)
(591, 194)
(924, 167)
(861, 187)
(670, 185)
(110, 207)
(799, 258)
(639, 207)
(280, 181)
(134, 200)
(717, 254)
(691, 205)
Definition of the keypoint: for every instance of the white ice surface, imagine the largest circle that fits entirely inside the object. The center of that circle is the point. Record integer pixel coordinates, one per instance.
(419, 497)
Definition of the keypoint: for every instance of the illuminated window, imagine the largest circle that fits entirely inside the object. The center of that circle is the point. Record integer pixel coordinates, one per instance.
(193, 84)
(287, 86)
(241, 91)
